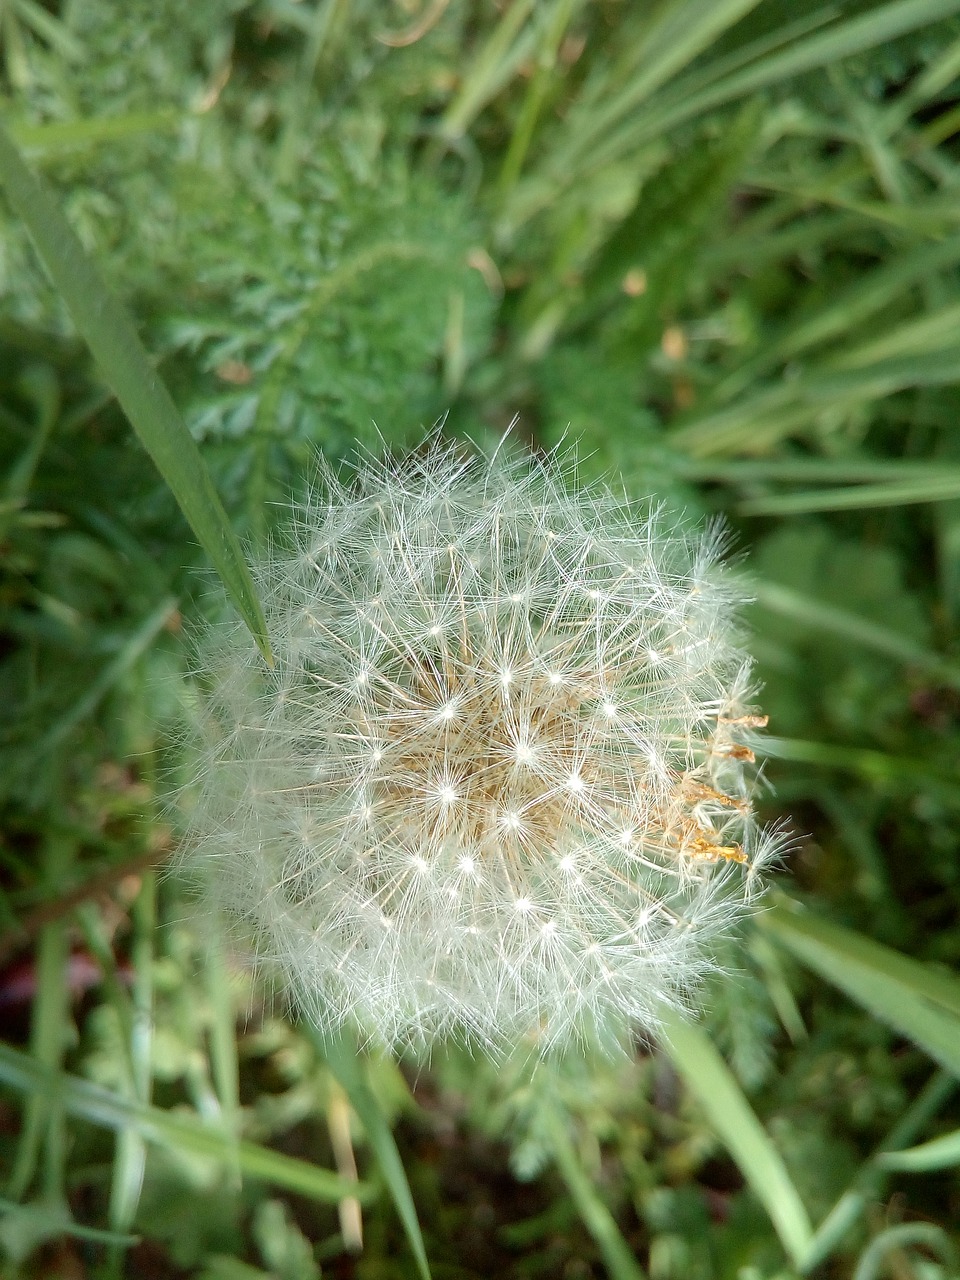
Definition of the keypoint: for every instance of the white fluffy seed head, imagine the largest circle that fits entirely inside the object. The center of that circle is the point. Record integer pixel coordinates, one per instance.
(495, 786)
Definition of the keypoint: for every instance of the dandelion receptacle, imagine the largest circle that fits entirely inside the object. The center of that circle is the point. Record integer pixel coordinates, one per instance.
(497, 785)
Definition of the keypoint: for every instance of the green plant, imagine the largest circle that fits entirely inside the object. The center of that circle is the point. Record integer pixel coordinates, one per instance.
(717, 245)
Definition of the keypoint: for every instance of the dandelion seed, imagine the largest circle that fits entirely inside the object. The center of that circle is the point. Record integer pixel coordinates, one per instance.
(439, 815)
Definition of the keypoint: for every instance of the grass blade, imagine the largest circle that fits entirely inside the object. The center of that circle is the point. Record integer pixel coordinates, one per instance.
(808, 612)
(43, 1125)
(670, 39)
(892, 1241)
(56, 137)
(109, 332)
(628, 122)
(940, 1153)
(175, 1130)
(859, 497)
(732, 1118)
(342, 1059)
(597, 1218)
(118, 665)
(868, 1184)
(130, 1157)
(848, 947)
(821, 49)
(917, 1001)
(854, 470)
(848, 308)
(490, 70)
(775, 412)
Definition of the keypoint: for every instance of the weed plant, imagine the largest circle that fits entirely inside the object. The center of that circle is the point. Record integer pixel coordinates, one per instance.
(715, 244)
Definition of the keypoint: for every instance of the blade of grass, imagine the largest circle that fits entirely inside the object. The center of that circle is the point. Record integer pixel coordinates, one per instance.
(763, 237)
(940, 1153)
(174, 1130)
(14, 53)
(57, 136)
(914, 999)
(144, 398)
(809, 612)
(616, 134)
(15, 489)
(840, 40)
(776, 412)
(855, 469)
(48, 1221)
(935, 216)
(732, 1118)
(56, 33)
(50, 1018)
(931, 488)
(130, 1157)
(936, 76)
(343, 1060)
(546, 58)
(934, 331)
(940, 987)
(878, 766)
(843, 312)
(111, 673)
(224, 1063)
(867, 1186)
(43, 1122)
(892, 1240)
(490, 70)
(597, 1218)
(673, 37)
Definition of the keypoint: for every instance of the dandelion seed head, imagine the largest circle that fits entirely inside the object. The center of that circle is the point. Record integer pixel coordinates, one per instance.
(497, 784)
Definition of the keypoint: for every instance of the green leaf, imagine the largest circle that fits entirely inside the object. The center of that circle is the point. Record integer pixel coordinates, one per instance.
(877, 766)
(490, 69)
(916, 1000)
(894, 1240)
(649, 106)
(940, 1153)
(924, 488)
(24, 1227)
(821, 49)
(179, 1130)
(733, 1120)
(844, 313)
(143, 396)
(597, 1218)
(55, 32)
(343, 1060)
(669, 39)
(57, 136)
(809, 612)
(775, 412)
(119, 664)
(868, 1185)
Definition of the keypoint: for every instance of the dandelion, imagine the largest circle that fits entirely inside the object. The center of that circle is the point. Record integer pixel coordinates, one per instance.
(496, 786)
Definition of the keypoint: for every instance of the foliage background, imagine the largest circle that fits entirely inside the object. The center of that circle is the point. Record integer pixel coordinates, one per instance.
(718, 245)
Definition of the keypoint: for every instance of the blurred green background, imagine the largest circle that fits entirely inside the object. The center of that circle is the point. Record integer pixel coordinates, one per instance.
(716, 243)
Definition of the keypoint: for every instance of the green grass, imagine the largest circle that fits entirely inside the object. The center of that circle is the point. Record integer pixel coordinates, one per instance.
(716, 245)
